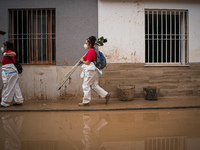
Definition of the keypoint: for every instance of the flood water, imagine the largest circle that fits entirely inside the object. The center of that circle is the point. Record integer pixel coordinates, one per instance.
(174, 129)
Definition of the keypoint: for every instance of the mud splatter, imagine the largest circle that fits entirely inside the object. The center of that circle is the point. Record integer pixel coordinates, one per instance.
(66, 63)
(39, 73)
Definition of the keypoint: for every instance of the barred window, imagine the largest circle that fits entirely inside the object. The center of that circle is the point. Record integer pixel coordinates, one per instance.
(34, 36)
(166, 37)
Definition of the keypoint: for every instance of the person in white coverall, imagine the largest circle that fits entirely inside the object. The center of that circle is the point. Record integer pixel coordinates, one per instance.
(90, 74)
(11, 90)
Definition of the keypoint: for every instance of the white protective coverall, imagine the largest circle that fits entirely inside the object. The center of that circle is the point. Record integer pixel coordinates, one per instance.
(11, 90)
(90, 76)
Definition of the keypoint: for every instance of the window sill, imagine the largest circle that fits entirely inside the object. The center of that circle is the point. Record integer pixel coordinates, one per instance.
(166, 65)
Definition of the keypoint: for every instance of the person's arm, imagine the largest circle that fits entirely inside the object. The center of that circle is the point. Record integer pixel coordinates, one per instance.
(87, 62)
(9, 54)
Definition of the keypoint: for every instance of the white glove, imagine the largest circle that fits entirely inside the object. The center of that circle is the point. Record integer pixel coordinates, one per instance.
(4, 54)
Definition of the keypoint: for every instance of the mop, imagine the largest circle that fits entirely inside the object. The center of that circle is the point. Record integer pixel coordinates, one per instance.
(98, 42)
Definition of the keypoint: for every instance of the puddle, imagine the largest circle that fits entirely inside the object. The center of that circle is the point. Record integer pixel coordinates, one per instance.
(101, 130)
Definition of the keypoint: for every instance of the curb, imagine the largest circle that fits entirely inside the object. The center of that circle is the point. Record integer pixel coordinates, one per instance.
(98, 109)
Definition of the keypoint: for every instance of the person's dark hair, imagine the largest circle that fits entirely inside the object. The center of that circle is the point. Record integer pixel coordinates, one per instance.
(9, 45)
(91, 40)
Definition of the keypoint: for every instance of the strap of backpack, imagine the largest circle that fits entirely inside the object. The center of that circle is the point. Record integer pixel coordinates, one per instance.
(95, 53)
(12, 60)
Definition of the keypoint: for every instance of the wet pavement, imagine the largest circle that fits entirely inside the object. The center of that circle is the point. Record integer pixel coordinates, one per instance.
(99, 104)
(155, 129)
(164, 124)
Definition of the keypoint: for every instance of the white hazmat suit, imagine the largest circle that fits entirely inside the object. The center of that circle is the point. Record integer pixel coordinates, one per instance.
(90, 76)
(11, 90)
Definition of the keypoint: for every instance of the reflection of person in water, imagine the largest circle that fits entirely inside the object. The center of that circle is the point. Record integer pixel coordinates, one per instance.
(91, 130)
(12, 125)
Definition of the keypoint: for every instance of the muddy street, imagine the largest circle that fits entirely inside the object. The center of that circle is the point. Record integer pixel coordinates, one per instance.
(167, 129)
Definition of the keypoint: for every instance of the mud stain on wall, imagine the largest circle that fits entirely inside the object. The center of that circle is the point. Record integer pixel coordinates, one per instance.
(115, 56)
(66, 63)
(135, 58)
(39, 73)
(139, 10)
(42, 89)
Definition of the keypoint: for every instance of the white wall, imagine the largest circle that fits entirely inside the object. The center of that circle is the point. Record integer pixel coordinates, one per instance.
(122, 22)
(42, 82)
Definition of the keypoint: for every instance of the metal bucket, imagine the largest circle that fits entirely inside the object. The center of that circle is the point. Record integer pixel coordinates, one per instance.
(151, 92)
(126, 93)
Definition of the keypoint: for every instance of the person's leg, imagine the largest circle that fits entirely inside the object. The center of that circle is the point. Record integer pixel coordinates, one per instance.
(18, 99)
(100, 91)
(88, 80)
(8, 90)
(86, 90)
(97, 89)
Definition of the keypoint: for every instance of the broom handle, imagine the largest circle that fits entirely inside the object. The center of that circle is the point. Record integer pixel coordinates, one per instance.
(72, 68)
(78, 63)
(72, 71)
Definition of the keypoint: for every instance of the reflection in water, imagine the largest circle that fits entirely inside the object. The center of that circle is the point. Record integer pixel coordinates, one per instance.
(91, 132)
(171, 143)
(12, 125)
(101, 130)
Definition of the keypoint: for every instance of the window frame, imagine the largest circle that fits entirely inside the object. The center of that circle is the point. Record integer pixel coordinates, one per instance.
(183, 38)
(32, 35)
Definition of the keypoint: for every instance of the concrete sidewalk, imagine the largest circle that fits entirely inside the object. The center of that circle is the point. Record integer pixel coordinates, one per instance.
(99, 105)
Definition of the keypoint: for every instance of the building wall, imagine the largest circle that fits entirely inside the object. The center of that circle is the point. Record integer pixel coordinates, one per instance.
(42, 82)
(172, 81)
(122, 22)
(76, 20)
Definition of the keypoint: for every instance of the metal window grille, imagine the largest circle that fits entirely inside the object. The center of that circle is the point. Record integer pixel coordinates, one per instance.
(34, 36)
(166, 37)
